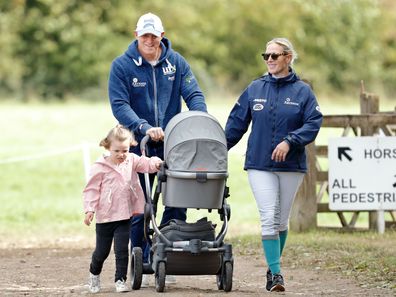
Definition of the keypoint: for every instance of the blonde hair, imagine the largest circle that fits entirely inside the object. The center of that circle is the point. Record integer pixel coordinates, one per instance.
(119, 133)
(287, 47)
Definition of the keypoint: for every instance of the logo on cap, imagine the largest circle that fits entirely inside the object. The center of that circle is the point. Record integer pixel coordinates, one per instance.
(149, 23)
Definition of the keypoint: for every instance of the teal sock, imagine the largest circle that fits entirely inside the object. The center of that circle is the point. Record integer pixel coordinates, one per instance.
(272, 254)
(282, 239)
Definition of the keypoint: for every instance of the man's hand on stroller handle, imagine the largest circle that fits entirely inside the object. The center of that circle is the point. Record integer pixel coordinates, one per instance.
(156, 133)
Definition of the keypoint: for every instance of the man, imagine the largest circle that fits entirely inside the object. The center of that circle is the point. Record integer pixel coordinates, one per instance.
(145, 86)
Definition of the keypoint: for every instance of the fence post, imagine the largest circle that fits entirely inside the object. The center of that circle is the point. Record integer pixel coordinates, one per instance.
(305, 207)
(369, 103)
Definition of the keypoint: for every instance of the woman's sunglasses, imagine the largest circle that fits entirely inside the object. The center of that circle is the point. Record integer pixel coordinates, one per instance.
(274, 56)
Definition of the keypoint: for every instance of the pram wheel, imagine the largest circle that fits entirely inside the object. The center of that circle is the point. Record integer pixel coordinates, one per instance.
(160, 277)
(219, 281)
(136, 268)
(224, 279)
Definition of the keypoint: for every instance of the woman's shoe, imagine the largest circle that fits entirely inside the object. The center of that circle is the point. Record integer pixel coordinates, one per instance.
(269, 280)
(278, 284)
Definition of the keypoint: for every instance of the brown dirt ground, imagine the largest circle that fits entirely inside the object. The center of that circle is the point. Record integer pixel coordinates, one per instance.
(55, 271)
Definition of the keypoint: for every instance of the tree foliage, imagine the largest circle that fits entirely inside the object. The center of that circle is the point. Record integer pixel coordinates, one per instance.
(61, 47)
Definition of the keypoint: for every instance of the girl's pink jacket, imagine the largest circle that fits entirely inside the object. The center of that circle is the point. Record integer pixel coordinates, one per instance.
(114, 192)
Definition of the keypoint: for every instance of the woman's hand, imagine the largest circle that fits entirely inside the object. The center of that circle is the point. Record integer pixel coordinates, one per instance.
(280, 152)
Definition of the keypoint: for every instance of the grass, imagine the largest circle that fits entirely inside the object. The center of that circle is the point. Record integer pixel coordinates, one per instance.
(367, 257)
(43, 195)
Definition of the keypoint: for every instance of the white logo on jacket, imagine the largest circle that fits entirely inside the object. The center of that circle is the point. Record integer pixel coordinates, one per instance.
(137, 84)
(138, 62)
(260, 100)
(258, 107)
(289, 102)
(170, 69)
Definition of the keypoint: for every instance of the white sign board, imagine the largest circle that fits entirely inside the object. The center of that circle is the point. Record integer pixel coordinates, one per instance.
(362, 173)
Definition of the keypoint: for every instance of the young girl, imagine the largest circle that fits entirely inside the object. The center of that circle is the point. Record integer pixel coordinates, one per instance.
(114, 194)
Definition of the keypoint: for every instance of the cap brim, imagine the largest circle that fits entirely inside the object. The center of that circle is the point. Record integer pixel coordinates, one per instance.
(148, 31)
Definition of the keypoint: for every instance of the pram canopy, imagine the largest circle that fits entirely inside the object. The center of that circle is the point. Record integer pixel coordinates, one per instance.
(195, 141)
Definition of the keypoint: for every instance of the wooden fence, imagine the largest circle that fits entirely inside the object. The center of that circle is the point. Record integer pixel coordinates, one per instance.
(308, 201)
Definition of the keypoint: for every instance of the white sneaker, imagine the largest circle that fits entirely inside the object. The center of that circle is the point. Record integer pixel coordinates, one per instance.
(121, 286)
(170, 279)
(94, 283)
(145, 281)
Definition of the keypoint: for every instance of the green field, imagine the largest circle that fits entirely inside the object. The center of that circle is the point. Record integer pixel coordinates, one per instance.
(42, 169)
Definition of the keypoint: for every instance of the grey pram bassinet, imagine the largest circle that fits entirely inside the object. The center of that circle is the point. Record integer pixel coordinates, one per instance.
(195, 152)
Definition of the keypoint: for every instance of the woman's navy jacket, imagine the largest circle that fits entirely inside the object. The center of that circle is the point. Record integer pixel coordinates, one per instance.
(279, 109)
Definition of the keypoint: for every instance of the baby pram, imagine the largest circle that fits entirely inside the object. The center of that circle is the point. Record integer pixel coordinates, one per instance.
(193, 176)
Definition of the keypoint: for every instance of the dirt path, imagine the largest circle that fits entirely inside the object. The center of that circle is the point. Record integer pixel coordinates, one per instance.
(63, 272)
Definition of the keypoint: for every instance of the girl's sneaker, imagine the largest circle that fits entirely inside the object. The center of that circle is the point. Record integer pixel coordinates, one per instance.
(121, 286)
(94, 283)
(145, 281)
(170, 279)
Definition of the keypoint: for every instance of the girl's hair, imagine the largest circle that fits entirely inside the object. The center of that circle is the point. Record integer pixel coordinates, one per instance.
(287, 47)
(119, 133)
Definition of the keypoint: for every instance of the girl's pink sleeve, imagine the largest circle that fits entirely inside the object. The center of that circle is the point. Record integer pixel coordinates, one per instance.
(91, 193)
(144, 164)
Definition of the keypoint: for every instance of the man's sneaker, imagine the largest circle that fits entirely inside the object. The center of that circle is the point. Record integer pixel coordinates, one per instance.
(269, 280)
(121, 286)
(145, 281)
(94, 283)
(277, 283)
(170, 279)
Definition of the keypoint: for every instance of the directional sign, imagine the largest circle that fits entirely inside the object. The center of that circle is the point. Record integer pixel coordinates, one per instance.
(362, 173)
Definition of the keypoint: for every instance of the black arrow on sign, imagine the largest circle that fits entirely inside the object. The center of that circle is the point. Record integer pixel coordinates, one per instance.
(342, 151)
(394, 185)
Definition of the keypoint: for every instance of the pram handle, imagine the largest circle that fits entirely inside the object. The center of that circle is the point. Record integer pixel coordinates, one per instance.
(143, 144)
(193, 175)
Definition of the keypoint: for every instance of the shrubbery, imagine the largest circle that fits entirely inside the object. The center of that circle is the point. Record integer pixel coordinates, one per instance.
(59, 47)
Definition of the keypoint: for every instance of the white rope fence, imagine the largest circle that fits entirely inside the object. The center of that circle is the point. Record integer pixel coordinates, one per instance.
(83, 147)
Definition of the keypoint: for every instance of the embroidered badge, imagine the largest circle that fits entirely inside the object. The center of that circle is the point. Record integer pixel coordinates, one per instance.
(137, 84)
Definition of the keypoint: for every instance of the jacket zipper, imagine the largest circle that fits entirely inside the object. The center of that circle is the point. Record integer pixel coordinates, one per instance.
(155, 98)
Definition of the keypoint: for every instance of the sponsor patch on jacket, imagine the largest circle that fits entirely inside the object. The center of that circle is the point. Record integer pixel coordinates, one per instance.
(189, 78)
(317, 108)
(260, 100)
(137, 84)
(288, 101)
(258, 107)
(169, 69)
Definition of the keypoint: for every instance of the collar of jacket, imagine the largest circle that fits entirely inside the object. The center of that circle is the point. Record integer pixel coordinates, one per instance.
(291, 77)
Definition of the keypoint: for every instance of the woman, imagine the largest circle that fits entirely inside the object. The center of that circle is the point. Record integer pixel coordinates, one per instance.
(285, 118)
